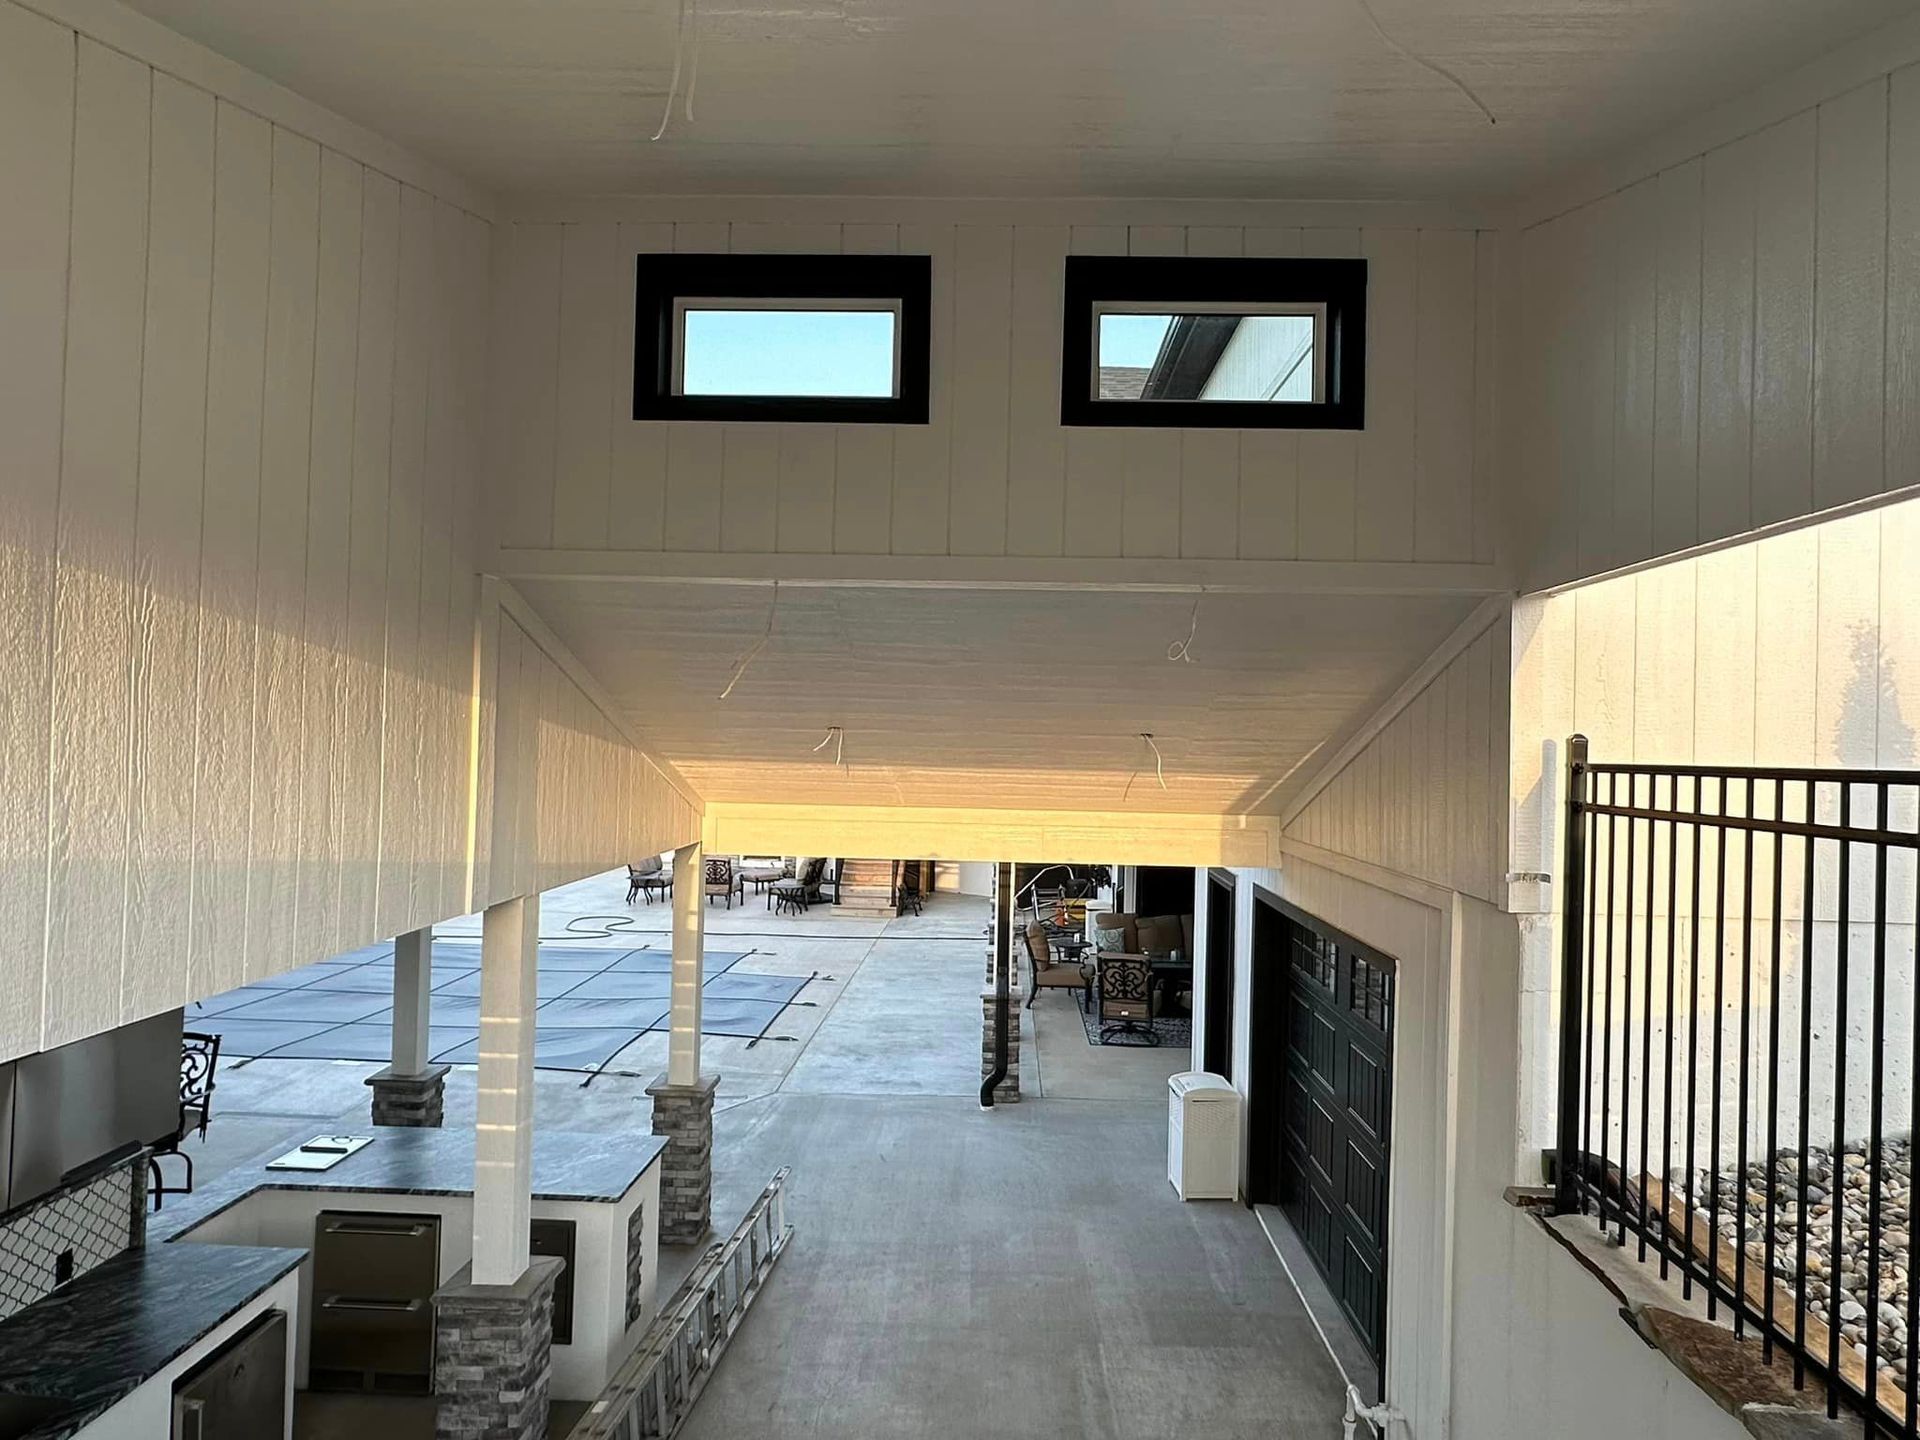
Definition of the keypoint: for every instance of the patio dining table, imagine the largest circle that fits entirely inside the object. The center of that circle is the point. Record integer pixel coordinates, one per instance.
(1071, 945)
(1167, 972)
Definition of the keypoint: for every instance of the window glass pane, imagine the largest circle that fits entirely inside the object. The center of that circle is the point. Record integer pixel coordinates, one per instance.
(844, 353)
(1315, 956)
(1207, 356)
(1371, 989)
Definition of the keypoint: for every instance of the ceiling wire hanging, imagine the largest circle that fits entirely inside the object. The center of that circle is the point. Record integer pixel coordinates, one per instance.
(1366, 8)
(1159, 768)
(1183, 649)
(837, 738)
(679, 51)
(757, 646)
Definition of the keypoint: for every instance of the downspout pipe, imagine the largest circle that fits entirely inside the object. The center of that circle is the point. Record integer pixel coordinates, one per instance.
(1002, 979)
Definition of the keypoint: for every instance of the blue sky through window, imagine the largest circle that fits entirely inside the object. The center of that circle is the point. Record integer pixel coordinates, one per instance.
(842, 353)
(1132, 340)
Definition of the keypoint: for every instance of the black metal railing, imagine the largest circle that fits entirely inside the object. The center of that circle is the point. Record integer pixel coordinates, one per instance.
(1739, 1037)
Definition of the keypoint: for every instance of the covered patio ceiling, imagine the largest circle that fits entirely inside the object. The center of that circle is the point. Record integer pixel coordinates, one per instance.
(996, 698)
(1236, 98)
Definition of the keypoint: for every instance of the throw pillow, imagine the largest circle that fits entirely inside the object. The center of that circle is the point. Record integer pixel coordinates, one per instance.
(1110, 940)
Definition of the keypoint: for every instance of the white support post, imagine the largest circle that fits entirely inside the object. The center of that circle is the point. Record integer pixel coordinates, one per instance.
(503, 1140)
(689, 943)
(412, 996)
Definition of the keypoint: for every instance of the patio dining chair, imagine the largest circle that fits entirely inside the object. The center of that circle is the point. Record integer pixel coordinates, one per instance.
(1126, 987)
(723, 879)
(649, 876)
(1052, 974)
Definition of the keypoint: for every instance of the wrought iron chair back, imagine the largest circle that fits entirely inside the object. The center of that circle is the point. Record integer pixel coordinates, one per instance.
(1126, 989)
(199, 1059)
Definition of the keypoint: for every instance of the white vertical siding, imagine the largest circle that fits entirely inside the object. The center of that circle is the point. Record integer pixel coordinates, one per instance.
(91, 645)
(240, 424)
(167, 543)
(570, 793)
(276, 808)
(994, 472)
(1426, 797)
(1797, 649)
(229, 571)
(1745, 310)
(36, 168)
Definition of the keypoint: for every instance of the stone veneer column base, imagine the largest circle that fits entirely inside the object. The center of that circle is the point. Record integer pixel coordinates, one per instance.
(410, 1100)
(493, 1355)
(1008, 1090)
(684, 1114)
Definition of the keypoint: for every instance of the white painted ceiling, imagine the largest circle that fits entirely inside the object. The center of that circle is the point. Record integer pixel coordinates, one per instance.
(1289, 98)
(993, 698)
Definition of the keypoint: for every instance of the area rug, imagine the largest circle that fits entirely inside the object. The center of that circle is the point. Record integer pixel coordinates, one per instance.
(1173, 1031)
(593, 1003)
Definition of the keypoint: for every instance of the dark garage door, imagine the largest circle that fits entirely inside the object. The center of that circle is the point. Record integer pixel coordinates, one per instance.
(1335, 1007)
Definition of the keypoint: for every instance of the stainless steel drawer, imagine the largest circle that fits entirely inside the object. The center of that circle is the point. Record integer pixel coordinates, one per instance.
(382, 1257)
(374, 1278)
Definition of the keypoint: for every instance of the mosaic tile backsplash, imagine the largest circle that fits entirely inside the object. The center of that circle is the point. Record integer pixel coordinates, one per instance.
(95, 1219)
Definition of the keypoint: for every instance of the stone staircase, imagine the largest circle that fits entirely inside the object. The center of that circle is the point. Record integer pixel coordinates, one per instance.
(866, 889)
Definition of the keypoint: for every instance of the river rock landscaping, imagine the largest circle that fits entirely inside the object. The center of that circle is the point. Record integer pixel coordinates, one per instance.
(1833, 1287)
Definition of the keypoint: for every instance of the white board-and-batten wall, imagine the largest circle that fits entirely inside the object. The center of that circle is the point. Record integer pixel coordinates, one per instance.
(994, 473)
(240, 401)
(1731, 338)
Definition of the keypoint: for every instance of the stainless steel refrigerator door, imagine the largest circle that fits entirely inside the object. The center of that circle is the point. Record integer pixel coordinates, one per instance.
(241, 1392)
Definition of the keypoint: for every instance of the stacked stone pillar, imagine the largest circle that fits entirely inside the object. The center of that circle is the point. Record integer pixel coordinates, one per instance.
(683, 1114)
(410, 1100)
(493, 1355)
(410, 1091)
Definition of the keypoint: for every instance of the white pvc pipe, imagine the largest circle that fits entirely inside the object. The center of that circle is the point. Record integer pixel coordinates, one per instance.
(1380, 1417)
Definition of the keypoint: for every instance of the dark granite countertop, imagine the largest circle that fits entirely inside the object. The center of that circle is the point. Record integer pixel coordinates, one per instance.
(95, 1341)
(567, 1166)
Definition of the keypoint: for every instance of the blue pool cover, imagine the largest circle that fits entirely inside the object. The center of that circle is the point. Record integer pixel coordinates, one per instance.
(593, 1003)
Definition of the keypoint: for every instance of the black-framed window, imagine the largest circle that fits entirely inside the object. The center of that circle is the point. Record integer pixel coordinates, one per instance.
(1214, 343)
(793, 338)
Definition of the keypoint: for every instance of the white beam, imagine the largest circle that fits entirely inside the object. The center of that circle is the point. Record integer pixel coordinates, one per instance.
(412, 992)
(947, 833)
(689, 943)
(836, 210)
(1010, 572)
(503, 1138)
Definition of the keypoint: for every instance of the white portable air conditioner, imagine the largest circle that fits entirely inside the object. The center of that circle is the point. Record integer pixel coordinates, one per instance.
(1203, 1136)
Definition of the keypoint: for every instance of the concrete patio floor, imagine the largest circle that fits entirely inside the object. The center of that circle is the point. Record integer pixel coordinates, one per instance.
(1023, 1272)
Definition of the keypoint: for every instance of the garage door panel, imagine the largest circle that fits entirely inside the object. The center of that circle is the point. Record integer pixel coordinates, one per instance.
(1362, 1295)
(1364, 1188)
(1365, 1092)
(1336, 1109)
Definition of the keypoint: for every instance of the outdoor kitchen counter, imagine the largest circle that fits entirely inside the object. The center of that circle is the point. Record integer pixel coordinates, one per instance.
(567, 1167)
(606, 1186)
(93, 1343)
